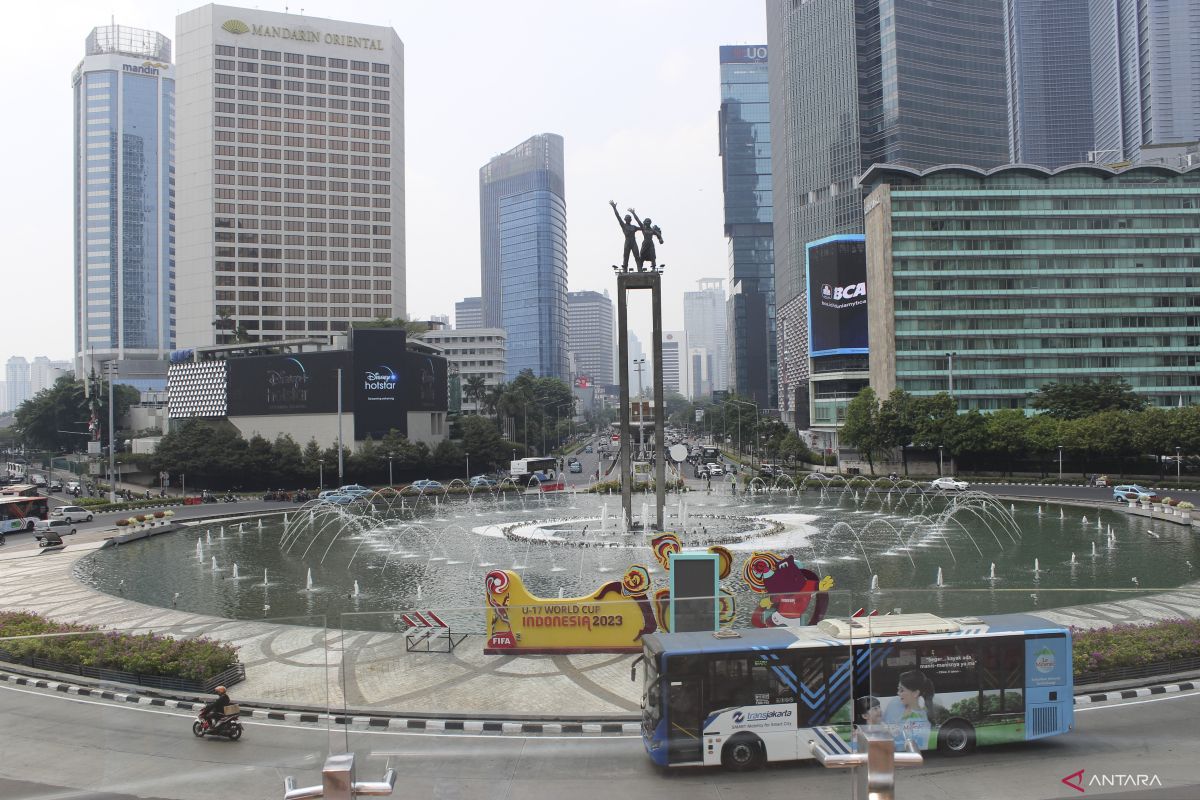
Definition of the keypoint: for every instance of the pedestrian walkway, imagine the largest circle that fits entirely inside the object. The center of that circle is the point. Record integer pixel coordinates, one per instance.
(289, 664)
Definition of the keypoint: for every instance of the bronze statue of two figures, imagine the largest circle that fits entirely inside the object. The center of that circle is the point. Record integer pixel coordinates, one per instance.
(644, 256)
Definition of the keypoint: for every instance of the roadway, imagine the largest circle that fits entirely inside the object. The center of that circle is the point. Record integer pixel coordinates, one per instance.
(66, 747)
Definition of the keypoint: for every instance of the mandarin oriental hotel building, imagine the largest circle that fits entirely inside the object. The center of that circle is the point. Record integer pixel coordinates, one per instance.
(290, 175)
(991, 283)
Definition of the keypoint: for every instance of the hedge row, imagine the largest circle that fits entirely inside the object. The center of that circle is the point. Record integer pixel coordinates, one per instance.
(146, 653)
(1123, 646)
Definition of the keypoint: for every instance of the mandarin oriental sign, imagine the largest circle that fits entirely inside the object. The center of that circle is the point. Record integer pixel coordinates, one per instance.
(236, 26)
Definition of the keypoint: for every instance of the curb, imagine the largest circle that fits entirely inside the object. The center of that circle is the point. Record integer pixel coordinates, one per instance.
(428, 725)
(1129, 694)
(481, 726)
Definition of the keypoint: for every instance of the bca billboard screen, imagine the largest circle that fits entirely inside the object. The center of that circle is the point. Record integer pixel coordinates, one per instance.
(837, 295)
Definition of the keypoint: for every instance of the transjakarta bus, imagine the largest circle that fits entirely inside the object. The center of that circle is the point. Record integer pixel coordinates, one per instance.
(20, 513)
(523, 469)
(740, 699)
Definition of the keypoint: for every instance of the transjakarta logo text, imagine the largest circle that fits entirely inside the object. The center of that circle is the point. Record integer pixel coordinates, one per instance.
(759, 716)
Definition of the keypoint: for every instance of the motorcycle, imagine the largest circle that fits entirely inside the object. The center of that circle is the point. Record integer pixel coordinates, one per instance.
(208, 498)
(301, 497)
(227, 725)
(229, 498)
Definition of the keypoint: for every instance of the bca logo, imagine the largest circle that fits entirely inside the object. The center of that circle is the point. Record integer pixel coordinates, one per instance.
(826, 291)
(847, 292)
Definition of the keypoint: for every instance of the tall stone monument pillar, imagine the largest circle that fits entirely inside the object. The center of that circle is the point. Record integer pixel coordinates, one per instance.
(626, 282)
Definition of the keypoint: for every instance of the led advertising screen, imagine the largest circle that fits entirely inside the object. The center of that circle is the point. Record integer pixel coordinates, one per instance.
(837, 295)
(427, 382)
(380, 382)
(299, 383)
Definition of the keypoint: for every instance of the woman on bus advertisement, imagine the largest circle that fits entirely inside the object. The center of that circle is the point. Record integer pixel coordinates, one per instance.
(908, 714)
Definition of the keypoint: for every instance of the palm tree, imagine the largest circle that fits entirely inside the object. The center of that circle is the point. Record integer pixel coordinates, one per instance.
(493, 398)
(474, 388)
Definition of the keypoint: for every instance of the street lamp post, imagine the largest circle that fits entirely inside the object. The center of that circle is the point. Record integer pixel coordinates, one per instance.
(939, 460)
(321, 468)
(468, 455)
(390, 457)
(950, 373)
(638, 364)
(1060, 459)
(1178, 464)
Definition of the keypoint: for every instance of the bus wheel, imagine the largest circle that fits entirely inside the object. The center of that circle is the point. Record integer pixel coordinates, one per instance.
(956, 738)
(742, 753)
(29, 526)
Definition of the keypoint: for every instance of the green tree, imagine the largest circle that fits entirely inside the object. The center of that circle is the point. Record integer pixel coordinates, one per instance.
(474, 389)
(966, 435)
(1153, 433)
(1043, 437)
(1077, 400)
(899, 419)
(57, 418)
(310, 461)
(861, 429)
(1007, 431)
(412, 329)
(210, 453)
(258, 461)
(289, 464)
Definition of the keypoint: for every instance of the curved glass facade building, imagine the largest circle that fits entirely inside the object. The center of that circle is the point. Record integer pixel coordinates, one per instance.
(1027, 276)
(523, 243)
(124, 104)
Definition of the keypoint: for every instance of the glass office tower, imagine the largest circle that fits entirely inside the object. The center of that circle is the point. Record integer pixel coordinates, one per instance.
(124, 96)
(745, 142)
(1049, 82)
(914, 82)
(1145, 75)
(523, 243)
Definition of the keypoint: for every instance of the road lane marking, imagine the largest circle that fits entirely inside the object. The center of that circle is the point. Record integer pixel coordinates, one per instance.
(1111, 705)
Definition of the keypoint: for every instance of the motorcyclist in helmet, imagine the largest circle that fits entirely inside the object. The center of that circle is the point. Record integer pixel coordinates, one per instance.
(215, 709)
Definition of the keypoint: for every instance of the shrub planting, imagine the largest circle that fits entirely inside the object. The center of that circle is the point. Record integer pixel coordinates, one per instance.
(1123, 646)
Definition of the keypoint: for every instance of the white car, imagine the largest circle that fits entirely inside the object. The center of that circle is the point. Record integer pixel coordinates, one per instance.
(71, 513)
(714, 469)
(949, 484)
(56, 526)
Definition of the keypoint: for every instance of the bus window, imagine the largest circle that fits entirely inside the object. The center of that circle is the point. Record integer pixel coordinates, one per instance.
(1002, 676)
(685, 716)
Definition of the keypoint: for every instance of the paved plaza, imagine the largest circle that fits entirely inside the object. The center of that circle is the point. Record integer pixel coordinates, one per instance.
(315, 667)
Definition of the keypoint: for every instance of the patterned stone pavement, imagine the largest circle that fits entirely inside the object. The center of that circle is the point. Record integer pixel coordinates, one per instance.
(315, 667)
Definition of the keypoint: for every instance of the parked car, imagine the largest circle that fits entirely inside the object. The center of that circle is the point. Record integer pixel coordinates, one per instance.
(71, 513)
(949, 484)
(59, 527)
(337, 497)
(354, 489)
(482, 482)
(426, 485)
(1127, 492)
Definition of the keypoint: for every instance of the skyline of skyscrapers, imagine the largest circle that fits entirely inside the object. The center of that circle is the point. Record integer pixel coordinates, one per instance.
(523, 254)
(853, 84)
(124, 234)
(290, 165)
(590, 336)
(745, 150)
(1145, 75)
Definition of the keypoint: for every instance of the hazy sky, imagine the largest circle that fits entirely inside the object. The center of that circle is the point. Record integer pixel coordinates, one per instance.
(633, 87)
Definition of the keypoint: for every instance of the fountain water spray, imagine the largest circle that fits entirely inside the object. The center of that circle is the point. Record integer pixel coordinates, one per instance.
(308, 583)
(199, 551)
(940, 583)
(208, 537)
(265, 576)
(874, 583)
(992, 571)
(1084, 521)
(1072, 559)
(1036, 567)
(215, 568)
(1093, 549)
(1062, 514)
(235, 571)
(356, 592)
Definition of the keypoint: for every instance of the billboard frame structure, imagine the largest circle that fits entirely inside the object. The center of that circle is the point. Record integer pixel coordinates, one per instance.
(808, 248)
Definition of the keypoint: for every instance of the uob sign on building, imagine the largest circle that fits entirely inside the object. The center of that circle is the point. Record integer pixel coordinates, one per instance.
(837, 296)
(378, 387)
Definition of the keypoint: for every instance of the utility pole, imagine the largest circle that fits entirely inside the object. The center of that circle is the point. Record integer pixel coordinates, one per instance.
(341, 478)
(112, 435)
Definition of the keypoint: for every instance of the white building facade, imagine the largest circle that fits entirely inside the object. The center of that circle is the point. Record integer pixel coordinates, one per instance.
(290, 175)
(590, 335)
(704, 317)
(473, 352)
(675, 363)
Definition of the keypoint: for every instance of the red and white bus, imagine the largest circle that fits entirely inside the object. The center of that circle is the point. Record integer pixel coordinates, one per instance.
(21, 513)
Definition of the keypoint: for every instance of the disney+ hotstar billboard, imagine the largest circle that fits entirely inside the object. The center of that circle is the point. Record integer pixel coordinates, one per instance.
(837, 295)
(379, 379)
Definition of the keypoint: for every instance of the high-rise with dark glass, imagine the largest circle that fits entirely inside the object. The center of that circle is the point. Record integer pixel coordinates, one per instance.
(1145, 75)
(1049, 73)
(918, 82)
(745, 142)
(124, 228)
(523, 254)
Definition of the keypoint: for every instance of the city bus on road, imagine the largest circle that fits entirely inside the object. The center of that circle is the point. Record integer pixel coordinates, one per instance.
(523, 470)
(767, 694)
(22, 513)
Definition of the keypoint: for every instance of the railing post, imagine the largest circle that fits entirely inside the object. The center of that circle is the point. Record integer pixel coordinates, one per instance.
(337, 778)
(876, 750)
